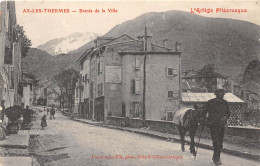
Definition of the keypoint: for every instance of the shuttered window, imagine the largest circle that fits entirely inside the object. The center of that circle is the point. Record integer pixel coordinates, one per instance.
(100, 67)
(137, 63)
(86, 78)
(91, 89)
(132, 86)
(137, 86)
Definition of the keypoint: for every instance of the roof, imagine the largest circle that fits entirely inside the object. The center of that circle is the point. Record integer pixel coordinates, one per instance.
(204, 97)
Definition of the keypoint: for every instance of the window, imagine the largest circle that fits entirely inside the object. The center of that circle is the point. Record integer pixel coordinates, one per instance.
(82, 66)
(6, 20)
(91, 89)
(193, 80)
(86, 78)
(132, 85)
(169, 115)
(136, 110)
(170, 94)
(77, 93)
(100, 89)
(137, 63)
(135, 86)
(169, 71)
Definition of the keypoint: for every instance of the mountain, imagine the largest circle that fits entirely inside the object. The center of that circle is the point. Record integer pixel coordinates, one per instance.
(228, 43)
(45, 66)
(66, 44)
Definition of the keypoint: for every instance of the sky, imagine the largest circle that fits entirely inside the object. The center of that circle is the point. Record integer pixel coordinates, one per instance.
(44, 26)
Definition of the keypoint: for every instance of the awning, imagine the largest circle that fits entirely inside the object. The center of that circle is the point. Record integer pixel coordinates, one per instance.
(204, 97)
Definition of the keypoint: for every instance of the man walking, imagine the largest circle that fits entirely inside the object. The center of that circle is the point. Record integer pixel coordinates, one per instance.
(217, 113)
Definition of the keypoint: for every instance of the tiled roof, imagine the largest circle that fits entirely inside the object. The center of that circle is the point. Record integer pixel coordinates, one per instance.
(204, 97)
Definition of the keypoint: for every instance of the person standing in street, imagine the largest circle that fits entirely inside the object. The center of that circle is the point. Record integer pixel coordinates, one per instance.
(43, 122)
(2, 128)
(27, 115)
(48, 111)
(217, 112)
(52, 112)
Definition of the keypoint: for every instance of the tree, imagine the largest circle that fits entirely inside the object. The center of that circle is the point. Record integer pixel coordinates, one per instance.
(252, 72)
(66, 80)
(24, 41)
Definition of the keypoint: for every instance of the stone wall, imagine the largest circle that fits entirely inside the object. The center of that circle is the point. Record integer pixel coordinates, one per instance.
(169, 127)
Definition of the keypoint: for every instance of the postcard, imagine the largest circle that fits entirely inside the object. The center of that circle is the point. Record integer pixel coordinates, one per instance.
(129, 83)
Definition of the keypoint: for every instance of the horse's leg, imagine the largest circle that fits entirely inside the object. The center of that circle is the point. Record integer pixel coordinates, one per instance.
(192, 142)
(182, 137)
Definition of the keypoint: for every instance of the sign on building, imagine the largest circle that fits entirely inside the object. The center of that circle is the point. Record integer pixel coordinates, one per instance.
(113, 74)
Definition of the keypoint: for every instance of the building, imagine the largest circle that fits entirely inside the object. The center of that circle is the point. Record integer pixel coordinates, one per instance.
(234, 88)
(205, 80)
(26, 91)
(251, 94)
(10, 56)
(46, 93)
(115, 72)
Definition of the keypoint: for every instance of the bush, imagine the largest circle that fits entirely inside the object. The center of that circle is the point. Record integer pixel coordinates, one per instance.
(13, 113)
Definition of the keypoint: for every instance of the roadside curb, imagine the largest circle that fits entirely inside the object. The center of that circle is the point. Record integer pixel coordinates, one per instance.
(201, 145)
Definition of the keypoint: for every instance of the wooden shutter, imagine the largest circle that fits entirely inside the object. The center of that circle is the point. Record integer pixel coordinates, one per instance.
(137, 63)
(137, 86)
(101, 89)
(100, 67)
(132, 86)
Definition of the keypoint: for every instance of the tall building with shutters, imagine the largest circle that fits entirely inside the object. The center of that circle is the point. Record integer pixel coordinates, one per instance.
(112, 79)
(10, 55)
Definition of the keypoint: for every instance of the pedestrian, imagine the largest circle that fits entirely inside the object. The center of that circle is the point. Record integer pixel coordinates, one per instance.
(2, 129)
(43, 122)
(27, 115)
(217, 112)
(2, 111)
(52, 112)
(44, 111)
(48, 111)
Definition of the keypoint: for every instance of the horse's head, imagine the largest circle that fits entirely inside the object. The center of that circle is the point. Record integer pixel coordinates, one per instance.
(199, 112)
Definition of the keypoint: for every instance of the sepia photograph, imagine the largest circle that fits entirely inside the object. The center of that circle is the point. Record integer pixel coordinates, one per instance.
(129, 83)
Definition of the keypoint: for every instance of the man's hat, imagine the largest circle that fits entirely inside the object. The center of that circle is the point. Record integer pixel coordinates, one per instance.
(220, 91)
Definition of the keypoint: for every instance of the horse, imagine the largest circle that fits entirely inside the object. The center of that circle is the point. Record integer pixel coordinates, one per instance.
(188, 119)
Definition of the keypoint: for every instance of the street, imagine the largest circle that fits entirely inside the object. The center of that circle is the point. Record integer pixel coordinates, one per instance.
(66, 142)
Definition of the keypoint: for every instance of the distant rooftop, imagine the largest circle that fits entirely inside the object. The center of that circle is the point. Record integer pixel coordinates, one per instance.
(204, 97)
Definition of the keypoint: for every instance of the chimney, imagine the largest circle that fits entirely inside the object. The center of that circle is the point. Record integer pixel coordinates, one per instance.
(95, 41)
(165, 43)
(232, 86)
